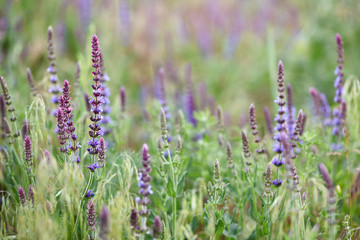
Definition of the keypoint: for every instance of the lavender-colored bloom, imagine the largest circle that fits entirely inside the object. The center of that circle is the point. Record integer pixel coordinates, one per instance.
(325, 110)
(96, 100)
(254, 130)
(104, 223)
(157, 227)
(279, 119)
(277, 182)
(61, 130)
(268, 176)
(93, 167)
(25, 130)
(277, 162)
(303, 123)
(316, 99)
(189, 101)
(84, 8)
(22, 196)
(134, 219)
(246, 147)
(31, 194)
(31, 82)
(326, 176)
(125, 22)
(144, 181)
(102, 151)
(105, 94)
(52, 70)
(295, 139)
(89, 193)
(290, 111)
(337, 118)
(122, 99)
(268, 120)
(28, 153)
(91, 215)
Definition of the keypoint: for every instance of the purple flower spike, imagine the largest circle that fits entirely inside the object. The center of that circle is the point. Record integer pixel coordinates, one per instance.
(93, 167)
(277, 182)
(189, 101)
(22, 196)
(144, 181)
(122, 99)
(54, 89)
(96, 100)
(89, 194)
(28, 153)
(102, 150)
(254, 130)
(134, 219)
(31, 194)
(157, 227)
(61, 130)
(277, 162)
(104, 223)
(91, 215)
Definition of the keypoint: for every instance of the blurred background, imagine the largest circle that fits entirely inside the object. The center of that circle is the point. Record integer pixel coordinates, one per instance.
(232, 46)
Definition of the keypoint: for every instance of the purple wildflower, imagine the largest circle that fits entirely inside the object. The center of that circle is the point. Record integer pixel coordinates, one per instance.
(277, 182)
(31, 82)
(22, 196)
(104, 222)
(290, 111)
(31, 194)
(52, 70)
(337, 118)
(254, 130)
(91, 215)
(122, 99)
(325, 110)
(89, 193)
(303, 123)
(134, 219)
(96, 100)
(93, 167)
(246, 147)
(144, 181)
(330, 186)
(105, 94)
(316, 99)
(87, 102)
(190, 102)
(28, 153)
(157, 227)
(61, 130)
(102, 150)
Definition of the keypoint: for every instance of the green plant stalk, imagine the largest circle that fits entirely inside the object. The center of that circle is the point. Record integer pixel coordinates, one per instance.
(83, 201)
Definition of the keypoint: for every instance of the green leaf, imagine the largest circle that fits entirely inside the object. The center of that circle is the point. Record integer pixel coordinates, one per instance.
(180, 185)
(219, 228)
(170, 188)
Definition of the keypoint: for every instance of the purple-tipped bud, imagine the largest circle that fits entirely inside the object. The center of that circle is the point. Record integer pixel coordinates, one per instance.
(104, 223)
(28, 153)
(277, 182)
(91, 215)
(102, 151)
(343, 110)
(316, 99)
(245, 144)
(31, 82)
(303, 124)
(31, 194)
(22, 196)
(122, 99)
(134, 219)
(326, 176)
(280, 67)
(157, 227)
(89, 193)
(2, 107)
(290, 110)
